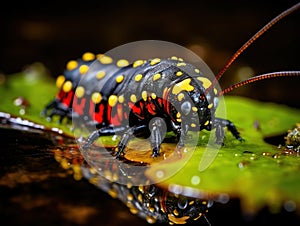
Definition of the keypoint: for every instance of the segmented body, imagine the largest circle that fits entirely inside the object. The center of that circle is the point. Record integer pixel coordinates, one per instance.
(134, 98)
(145, 94)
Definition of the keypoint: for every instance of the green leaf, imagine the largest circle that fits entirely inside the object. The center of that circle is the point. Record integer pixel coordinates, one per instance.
(36, 87)
(254, 171)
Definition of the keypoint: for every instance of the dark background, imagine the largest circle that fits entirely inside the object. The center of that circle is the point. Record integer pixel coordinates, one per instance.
(53, 32)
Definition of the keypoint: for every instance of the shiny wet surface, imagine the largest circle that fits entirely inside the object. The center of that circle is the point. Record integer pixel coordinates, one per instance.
(36, 190)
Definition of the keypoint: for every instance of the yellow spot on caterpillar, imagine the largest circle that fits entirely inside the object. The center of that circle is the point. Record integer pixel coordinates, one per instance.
(88, 56)
(113, 193)
(67, 86)
(152, 219)
(83, 69)
(205, 81)
(179, 73)
(181, 64)
(129, 185)
(193, 125)
(100, 74)
(156, 77)
(137, 63)
(129, 197)
(60, 80)
(206, 123)
(79, 91)
(144, 95)
(133, 210)
(178, 220)
(180, 59)
(176, 213)
(149, 219)
(178, 115)
(195, 109)
(215, 91)
(115, 177)
(122, 63)
(112, 100)
(210, 106)
(200, 215)
(197, 70)
(180, 96)
(138, 77)
(105, 59)
(133, 98)
(119, 78)
(183, 85)
(141, 188)
(140, 198)
(96, 98)
(121, 99)
(153, 95)
(154, 61)
(174, 58)
(71, 65)
(178, 120)
(108, 174)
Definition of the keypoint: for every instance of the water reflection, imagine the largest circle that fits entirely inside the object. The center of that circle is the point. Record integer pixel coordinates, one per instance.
(149, 202)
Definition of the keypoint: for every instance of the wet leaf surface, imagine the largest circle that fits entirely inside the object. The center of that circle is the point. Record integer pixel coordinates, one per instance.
(256, 172)
(35, 190)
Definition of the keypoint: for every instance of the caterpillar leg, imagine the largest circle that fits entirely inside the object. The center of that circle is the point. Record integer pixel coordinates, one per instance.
(219, 125)
(181, 133)
(129, 134)
(158, 131)
(56, 108)
(105, 131)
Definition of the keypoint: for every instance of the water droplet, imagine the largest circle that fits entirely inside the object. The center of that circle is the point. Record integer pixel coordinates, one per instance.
(160, 174)
(175, 188)
(243, 164)
(195, 180)
(223, 198)
(289, 206)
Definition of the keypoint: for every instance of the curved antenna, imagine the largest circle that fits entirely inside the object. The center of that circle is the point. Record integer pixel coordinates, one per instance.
(251, 40)
(260, 77)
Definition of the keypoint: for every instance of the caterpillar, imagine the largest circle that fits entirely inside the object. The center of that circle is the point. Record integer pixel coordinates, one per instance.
(148, 98)
(153, 95)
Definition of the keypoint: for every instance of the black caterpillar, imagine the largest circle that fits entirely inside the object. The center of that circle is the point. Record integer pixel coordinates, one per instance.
(148, 94)
(141, 92)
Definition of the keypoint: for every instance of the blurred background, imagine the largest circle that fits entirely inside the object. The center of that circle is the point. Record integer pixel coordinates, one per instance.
(53, 32)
